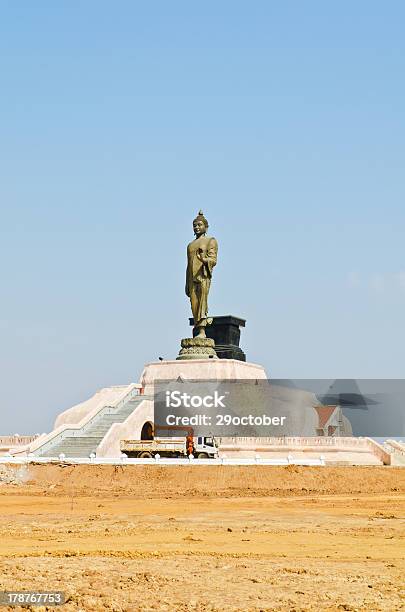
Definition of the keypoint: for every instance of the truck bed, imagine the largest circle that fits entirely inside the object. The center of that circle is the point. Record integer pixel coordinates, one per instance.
(161, 445)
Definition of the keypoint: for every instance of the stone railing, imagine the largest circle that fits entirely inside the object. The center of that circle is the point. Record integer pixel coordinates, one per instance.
(288, 441)
(16, 440)
(379, 451)
(309, 444)
(399, 447)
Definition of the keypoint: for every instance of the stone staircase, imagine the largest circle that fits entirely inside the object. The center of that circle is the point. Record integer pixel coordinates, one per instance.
(84, 441)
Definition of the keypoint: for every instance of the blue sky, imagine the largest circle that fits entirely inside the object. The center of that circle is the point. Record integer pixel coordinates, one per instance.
(283, 121)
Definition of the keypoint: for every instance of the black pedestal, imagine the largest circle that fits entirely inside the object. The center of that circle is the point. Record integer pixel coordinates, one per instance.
(225, 331)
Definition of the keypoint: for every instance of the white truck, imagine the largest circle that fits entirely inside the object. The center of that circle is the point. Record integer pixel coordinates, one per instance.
(200, 447)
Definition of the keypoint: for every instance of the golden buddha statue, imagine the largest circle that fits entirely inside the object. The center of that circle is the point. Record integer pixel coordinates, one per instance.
(201, 258)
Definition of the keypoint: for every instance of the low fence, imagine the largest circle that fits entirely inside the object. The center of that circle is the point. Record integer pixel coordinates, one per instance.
(16, 440)
(164, 461)
(307, 445)
(337, 441)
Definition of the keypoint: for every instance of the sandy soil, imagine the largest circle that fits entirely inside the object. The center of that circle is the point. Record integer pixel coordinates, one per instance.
(205, 538)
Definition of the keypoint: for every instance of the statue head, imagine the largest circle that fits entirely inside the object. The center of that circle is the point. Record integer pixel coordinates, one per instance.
(200, 224)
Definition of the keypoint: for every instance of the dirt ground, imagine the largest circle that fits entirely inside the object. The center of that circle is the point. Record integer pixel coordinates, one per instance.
(206, 538)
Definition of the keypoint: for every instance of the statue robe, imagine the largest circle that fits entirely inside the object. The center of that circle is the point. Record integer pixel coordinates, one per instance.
(198, 276)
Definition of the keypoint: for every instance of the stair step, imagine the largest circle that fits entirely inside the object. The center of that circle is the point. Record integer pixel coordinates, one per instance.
(90, 436)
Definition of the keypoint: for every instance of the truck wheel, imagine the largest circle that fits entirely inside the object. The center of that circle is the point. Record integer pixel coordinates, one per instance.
(202, 456)
(145, 455)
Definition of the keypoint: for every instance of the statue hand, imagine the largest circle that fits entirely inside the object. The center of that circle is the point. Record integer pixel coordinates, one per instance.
(200, 255)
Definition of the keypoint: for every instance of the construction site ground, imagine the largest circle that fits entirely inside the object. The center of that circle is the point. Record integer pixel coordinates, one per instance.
(205, 537)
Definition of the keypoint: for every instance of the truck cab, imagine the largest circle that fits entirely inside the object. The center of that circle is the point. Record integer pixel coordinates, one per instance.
(205, 447)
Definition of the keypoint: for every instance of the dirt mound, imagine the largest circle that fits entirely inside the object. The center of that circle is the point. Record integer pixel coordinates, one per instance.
(14, 475)
(146, 481)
